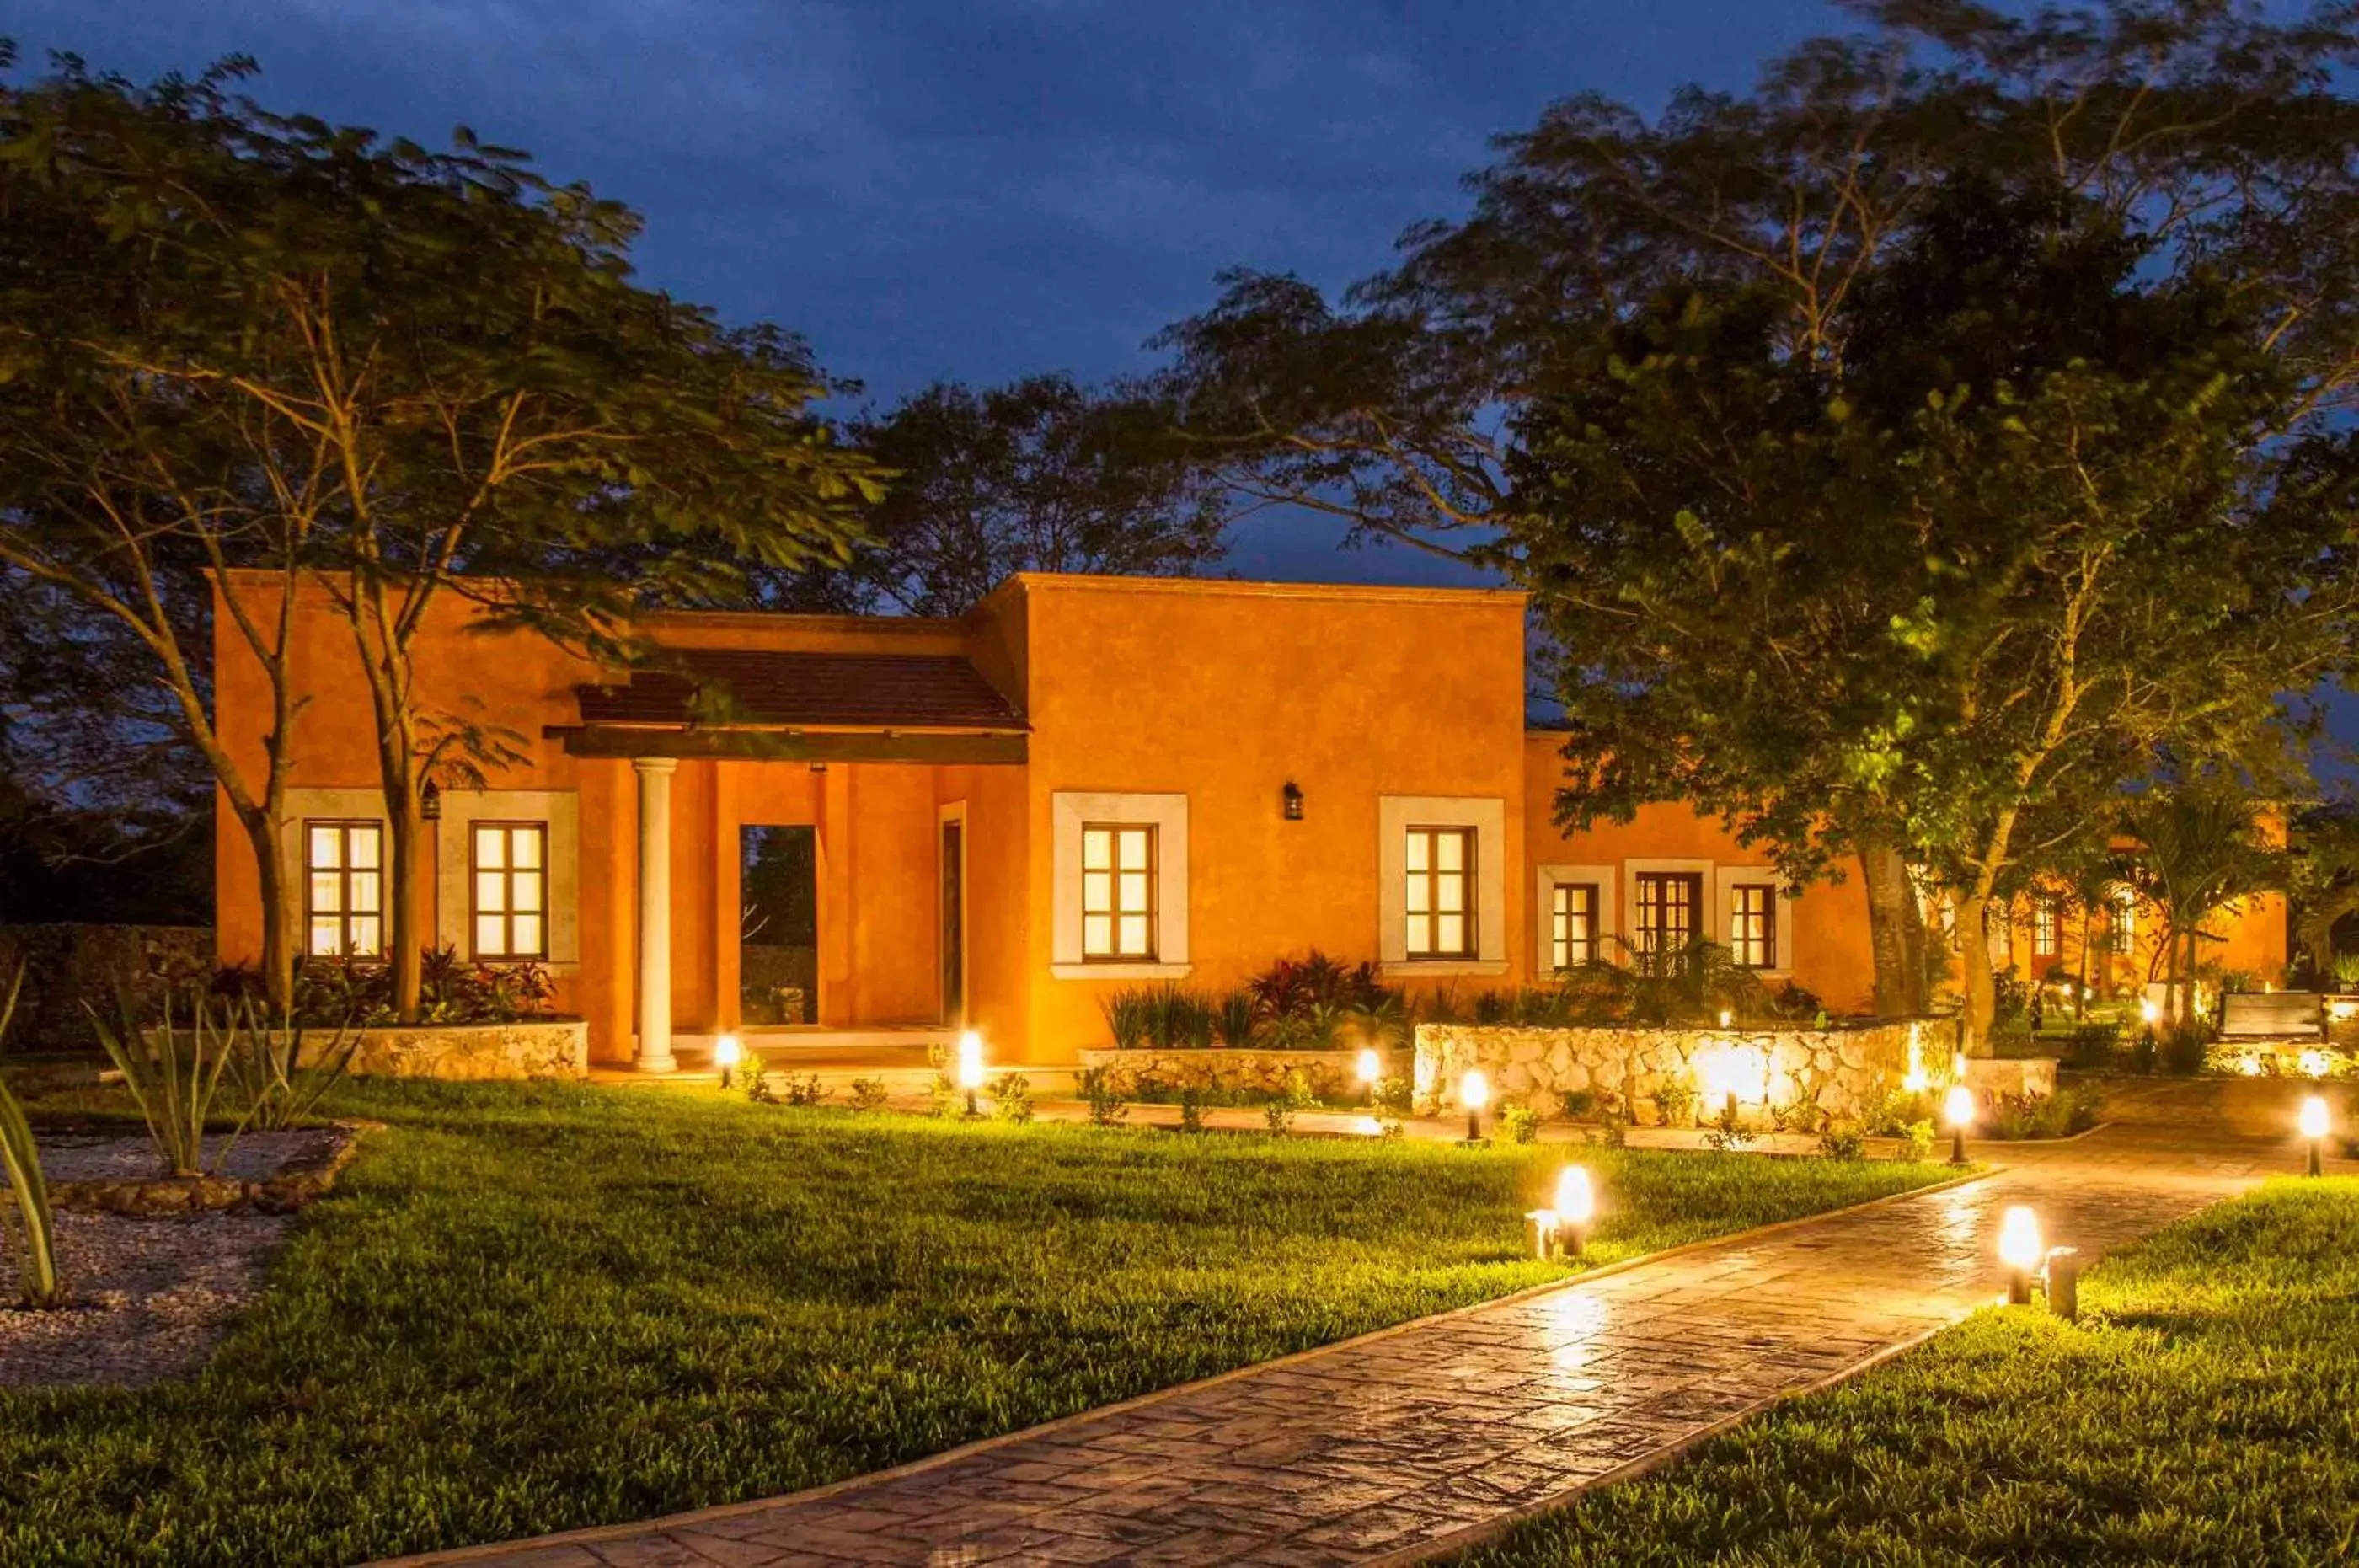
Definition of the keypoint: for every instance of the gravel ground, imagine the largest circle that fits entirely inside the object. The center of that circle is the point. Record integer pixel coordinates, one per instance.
(152, 1297)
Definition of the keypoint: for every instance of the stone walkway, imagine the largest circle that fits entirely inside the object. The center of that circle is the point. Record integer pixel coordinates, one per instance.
(1406, 1442)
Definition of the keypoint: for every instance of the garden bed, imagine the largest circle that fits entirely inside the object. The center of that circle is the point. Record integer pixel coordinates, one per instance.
(1143, 1073)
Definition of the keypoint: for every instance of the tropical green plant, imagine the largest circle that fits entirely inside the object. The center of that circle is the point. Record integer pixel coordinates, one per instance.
(20, 1160)
(275, 1083)
(1236, 1022)
(1293, 985)
(1099, 1088)
(1843, 1142)
(1520, 1123)
(802, 1093)
(870, 1094)
(1916, 1141)
(1191, 1110)
(1395, 1096)
(1674, 1104)
(173, 1074)
(2198, 849)
(2346, 971)
(1011, 1098)
(1129, 1017)
(1184, 1019)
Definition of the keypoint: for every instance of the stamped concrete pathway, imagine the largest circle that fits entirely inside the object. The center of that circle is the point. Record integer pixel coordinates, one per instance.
(1400, 1444)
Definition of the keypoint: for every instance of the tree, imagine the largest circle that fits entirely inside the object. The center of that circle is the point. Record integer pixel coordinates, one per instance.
(2198, 850)
(1693, 337)
(421, 374)
(1039, 475)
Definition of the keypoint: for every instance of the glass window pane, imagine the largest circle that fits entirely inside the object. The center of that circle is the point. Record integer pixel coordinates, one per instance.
(525, 893)
(1134, 849)
(367, 898)
(490, 846)
(1417, 851)
(327, 937)
(368, 942)
(327, 847)
(1450, 933)
(490, 892)
(491, 934)
(1133, 891)
(525, 849)
(1420, 895)
(327, 892)
(1097, 935)
(1097, 849)
(1420, 933)
(1450, 851)
(365, 839)
(1451, 891)
(1097, 892)
(527, 934)
(1134, 934)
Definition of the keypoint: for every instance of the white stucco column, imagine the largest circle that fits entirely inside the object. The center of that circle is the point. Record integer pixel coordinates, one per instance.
(655, 912)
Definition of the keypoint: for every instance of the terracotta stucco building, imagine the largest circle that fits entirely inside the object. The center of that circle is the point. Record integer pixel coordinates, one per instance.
(1085, 782)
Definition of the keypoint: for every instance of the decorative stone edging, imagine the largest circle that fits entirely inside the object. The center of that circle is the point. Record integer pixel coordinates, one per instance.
(302, 1181)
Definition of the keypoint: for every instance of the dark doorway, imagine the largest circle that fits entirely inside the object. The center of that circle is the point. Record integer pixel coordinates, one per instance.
(778, 931)
(954, 923)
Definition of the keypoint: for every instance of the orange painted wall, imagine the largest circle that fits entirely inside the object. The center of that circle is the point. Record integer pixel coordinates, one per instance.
(1831, 956)
(1226, 691)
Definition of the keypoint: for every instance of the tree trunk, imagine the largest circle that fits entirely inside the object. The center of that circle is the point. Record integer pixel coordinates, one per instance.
(1895, 931)
(412, 924)
(279, 917)
(1980, 988)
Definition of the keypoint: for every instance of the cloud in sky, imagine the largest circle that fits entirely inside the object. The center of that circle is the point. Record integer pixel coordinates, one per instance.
(969, 189)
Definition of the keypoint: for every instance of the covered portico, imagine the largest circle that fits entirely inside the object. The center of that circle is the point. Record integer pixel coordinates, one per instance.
(918, 725)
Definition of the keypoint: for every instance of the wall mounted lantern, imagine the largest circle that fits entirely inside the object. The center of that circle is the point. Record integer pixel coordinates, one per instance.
(430, 801)
(1292, 794)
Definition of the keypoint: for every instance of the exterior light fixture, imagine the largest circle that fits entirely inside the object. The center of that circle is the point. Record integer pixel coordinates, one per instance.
(2020, 1248)
(2150, 1012)
(970, 1067)
(1959, 1109)
(1958, 1067)
(430, 801)
(1474, 1093)
(2314, 1129)
(1292, 796)
(1370, 1067)
(727, 1053)
(1576, 1206)
(1724, 1018)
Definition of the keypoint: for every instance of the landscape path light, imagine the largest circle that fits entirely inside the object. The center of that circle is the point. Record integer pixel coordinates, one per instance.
(1576, 1206)
(1370, 1066)
(2313, 1128)
(970, 1067)
(1959, 1108)
(2020, 1249)
(727, 1053)
(1474, 1093)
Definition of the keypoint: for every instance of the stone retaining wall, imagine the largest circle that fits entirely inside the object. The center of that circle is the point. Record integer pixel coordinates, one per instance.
(534, 1048)
(1842, 1070)
(1329, 1073)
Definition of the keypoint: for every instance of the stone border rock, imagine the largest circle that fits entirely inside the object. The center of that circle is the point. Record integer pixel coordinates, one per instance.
(302, 1181)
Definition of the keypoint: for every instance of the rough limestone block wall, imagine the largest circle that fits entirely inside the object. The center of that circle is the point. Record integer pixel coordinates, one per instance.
(1328, 1072)
(539, 1049)
(1841, 1070)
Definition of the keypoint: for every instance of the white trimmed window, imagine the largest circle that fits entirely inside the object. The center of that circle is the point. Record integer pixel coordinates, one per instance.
(1440, 867)
(1118, 893)
(1572, 925)
(508, 914)
(1670, 909)
(343, 888)
(1753, 925)
(2044, 923)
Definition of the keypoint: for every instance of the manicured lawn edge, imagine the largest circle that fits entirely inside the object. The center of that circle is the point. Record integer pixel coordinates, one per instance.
(1473, 1535)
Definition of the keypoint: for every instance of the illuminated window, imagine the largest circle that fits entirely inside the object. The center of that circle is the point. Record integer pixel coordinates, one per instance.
(1439, 912)
(343, 890)
(1117, 892)
(507, 899)
(1753, 925)
(2125, 921)
(2044, 925)
(1573, 924)
(1668, 907)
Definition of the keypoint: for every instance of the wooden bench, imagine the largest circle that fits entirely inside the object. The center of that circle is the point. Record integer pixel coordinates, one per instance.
(2272, 1015)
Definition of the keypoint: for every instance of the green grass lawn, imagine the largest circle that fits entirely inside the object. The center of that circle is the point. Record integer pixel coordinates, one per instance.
(531, 1309)
(2205, 1409)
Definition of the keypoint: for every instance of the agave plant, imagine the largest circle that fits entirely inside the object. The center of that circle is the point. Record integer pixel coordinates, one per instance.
(1130, 1018)
(277, 1088)
(175, 1083)
(21, 1159)
(1235, 1021)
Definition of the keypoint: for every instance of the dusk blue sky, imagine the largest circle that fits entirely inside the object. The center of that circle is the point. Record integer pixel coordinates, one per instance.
(971, 190)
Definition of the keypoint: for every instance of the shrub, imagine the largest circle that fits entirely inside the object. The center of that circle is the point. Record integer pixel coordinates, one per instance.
(1891, 1113)
(1521, 1123)
(1235, 1020)
(1277, 1112)
(2092, 1046)
(1129, 1017)
(1578, 1105)
(1675, 1105)
(174, 1085)
(1843, 1143)
(1011, 1098)
(1727, 1132)
(2140, 1058)
(870, 1094)
(944, 1097)
(2181, 1046)
(1292, 987)
(1106, 1106)
(20, 1158)
(803, 1093)
(2060, 1115)
(1395, 1094)
(1191, 1111)
(1916, 1141)
(329, 995)
(757, 1085)
(1803, 1116)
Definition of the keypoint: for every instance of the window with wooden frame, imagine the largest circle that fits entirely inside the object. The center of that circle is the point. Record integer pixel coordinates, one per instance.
(1753, 925)
(508, 890)
(1670, 909)
(1439, 906)
(343, 890)
(1573, 924)
(2044, 927)
(1118, 874)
